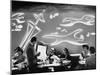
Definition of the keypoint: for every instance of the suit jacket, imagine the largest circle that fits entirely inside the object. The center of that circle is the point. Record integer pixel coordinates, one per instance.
(30, 52)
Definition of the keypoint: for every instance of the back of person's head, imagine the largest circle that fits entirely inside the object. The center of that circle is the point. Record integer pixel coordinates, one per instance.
(17, 52)
(92, 50)
(18, 49)
(34, 39)
(66, 51)
(85, 46)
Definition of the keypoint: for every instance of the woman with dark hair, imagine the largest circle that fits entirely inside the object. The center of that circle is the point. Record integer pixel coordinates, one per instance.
(85, 51)
(67, 54)
(85, 47)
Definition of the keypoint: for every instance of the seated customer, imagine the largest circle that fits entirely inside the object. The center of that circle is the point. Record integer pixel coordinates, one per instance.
(18, 59)
(74, 60)
(67, 54)
(18, 56)
(85, 51)
(17, 53)
(91, 61)
(92, 50)
(53, 58)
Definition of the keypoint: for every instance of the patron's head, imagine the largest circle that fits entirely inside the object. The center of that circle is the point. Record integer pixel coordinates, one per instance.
(33, 40)
(85, 47)
(92, 50)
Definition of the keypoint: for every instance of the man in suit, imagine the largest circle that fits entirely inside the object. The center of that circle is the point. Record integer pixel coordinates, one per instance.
(32, 54)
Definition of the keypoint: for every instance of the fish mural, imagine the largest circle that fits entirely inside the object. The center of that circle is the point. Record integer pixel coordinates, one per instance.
(66, 38)
(53, 25)
(85, 19)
